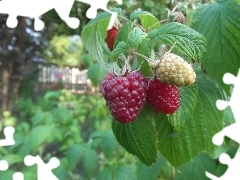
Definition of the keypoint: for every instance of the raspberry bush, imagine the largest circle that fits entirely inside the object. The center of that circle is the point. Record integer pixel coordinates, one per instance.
(183, 64)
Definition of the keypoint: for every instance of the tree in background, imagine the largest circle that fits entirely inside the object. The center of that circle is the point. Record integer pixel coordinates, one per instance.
(18, 47)
(22, 46)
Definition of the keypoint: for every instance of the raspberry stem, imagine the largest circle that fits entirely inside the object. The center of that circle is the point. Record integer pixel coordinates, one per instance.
(137, 25)
(159, 22)
(145, 57)
(151, 62)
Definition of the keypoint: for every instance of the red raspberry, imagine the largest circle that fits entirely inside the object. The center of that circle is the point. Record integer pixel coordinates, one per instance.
(111, 35)
(125, 95)
(162, 97)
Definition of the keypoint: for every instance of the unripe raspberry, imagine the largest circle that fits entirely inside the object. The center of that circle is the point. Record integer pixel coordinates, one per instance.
(180, 17)
(172, 69)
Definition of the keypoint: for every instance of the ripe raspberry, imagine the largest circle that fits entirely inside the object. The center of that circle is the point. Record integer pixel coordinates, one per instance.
(172, 69)
(162, 97)
(111, 35)
(124, 95)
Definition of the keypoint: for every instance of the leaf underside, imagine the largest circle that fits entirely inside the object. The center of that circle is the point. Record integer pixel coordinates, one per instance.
(94, 34)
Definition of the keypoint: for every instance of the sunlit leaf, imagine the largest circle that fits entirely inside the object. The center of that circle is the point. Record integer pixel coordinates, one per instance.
(135, 37)
(94, 34)
(148, 20)
(188, 41)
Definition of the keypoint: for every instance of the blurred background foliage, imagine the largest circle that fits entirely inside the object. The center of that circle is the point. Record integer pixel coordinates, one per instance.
(74, 128)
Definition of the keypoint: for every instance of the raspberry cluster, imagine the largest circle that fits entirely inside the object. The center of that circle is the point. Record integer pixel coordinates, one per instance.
(126, 95)
(172, 69)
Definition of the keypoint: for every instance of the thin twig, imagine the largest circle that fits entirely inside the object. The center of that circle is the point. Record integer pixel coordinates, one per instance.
(145, 57)
(159, 22)
(137, 25)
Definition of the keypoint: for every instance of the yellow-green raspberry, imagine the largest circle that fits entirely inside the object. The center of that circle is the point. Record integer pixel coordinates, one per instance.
(172, 69)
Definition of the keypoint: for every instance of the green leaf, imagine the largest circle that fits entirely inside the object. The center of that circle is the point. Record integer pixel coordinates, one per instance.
(148, 20)
(123, 33)
(139, 137)
(73, 155)
(134, 15)
(62, 115)
(52, 95)
(58, 133)
(96, 73)
(87, 60)
(197, 168)
(40, 134)
(228, 117)
(121, 48)
(222, 168)
(6, 174)
(188, 41)
(145, 172)
(135, 37)
(195, 136)
(220, 24)
(105, 174)
(90, 159)
(42, 118)
(145, 48)
(29, 175)
(12, 159)
(188, 101)
(109, 143)
(61, 171)
(125, 173)
(94, 34)
(24, 149)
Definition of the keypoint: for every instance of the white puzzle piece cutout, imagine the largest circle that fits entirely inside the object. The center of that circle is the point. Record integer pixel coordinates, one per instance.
(36, 8)
(233, 167)
(18, 176)
(3, 165)
(44, 170)
(231, 131)
(95, 5)
(8, 132)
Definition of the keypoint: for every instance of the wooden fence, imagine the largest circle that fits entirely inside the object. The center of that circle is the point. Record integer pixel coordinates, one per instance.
(73, 79)
(51, 77)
